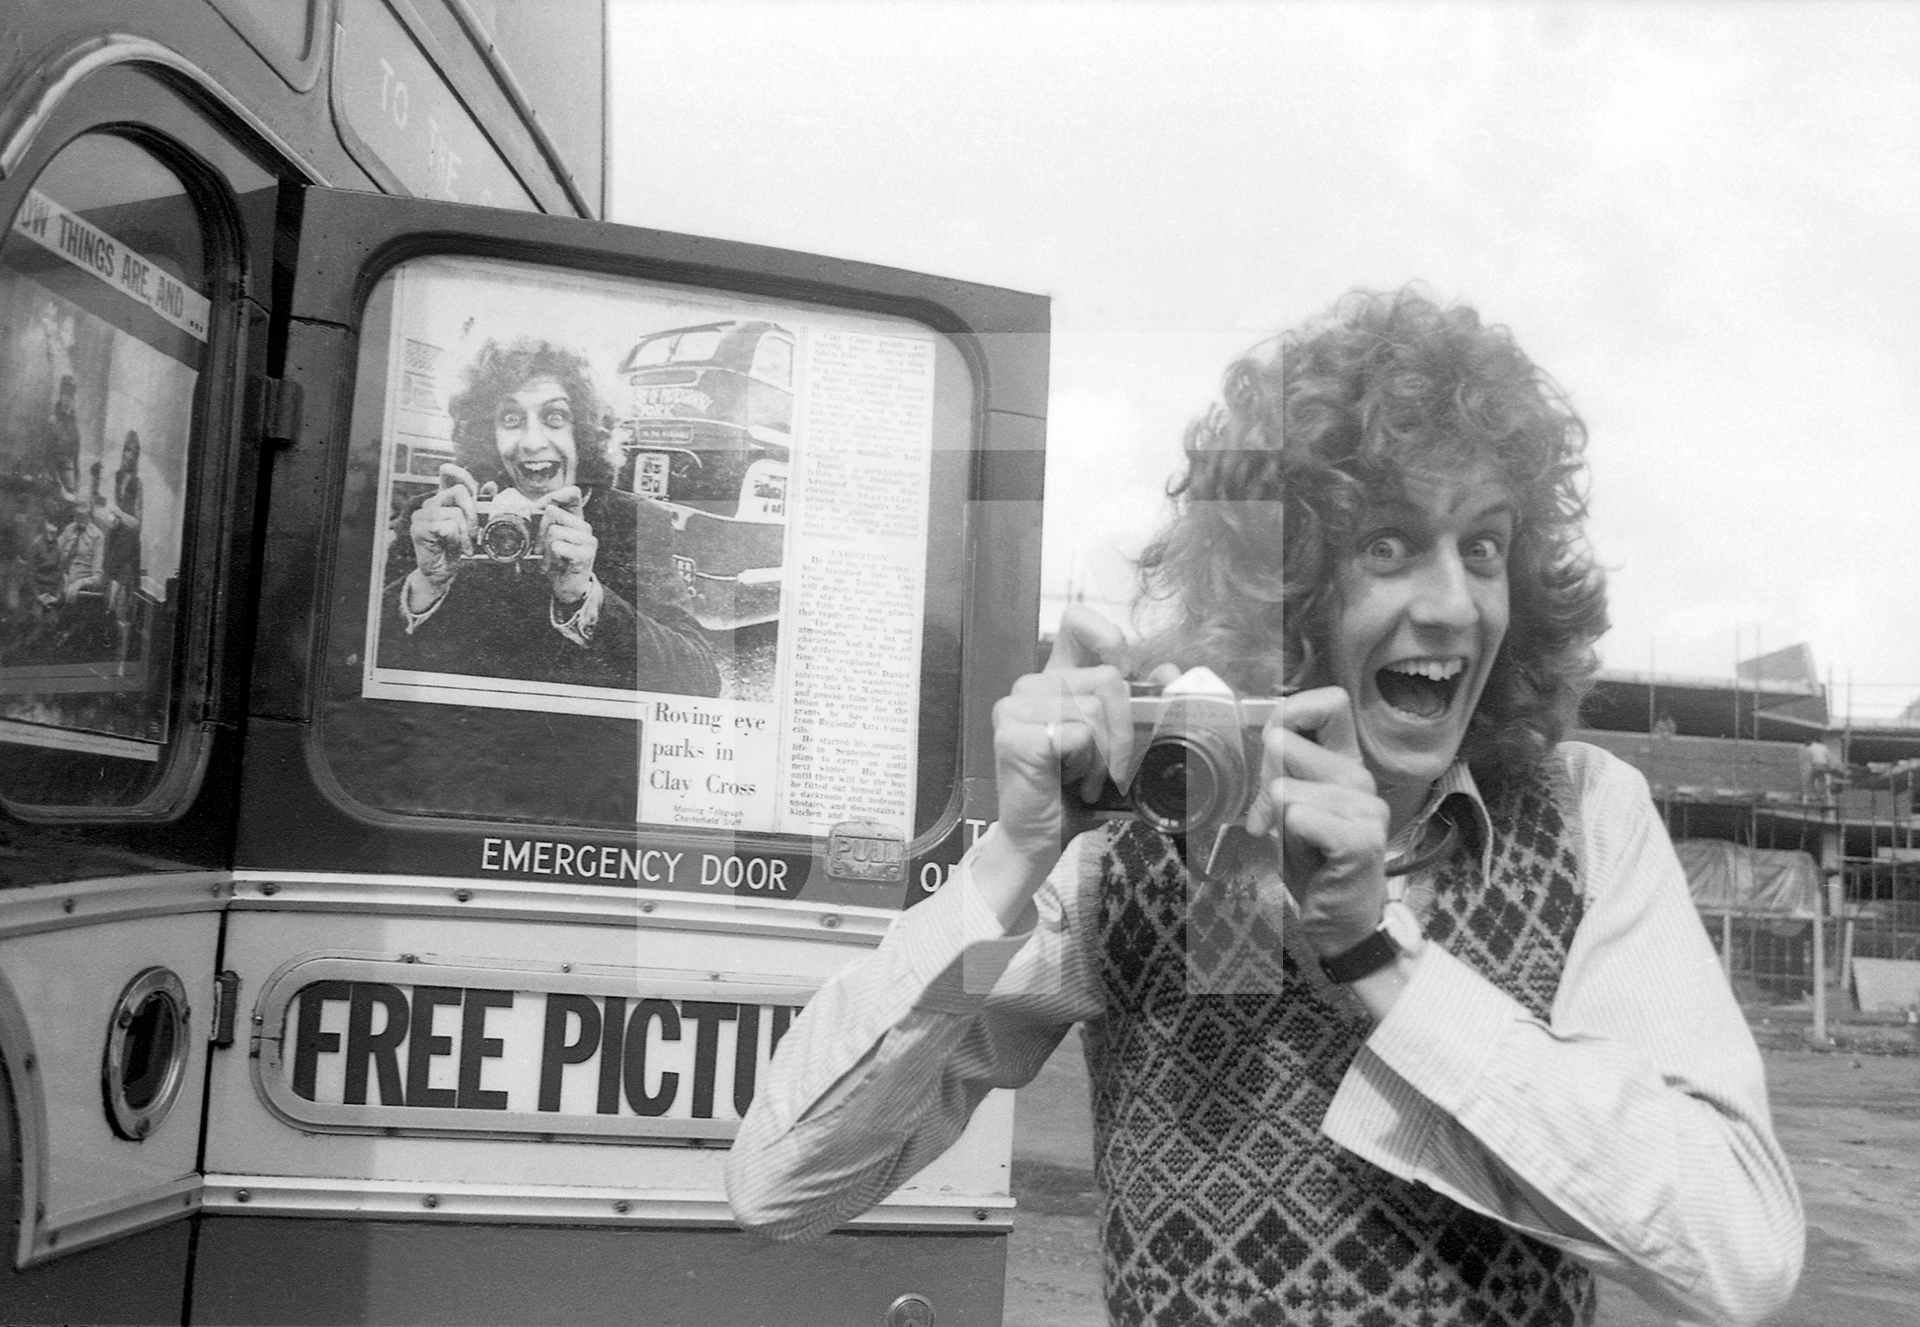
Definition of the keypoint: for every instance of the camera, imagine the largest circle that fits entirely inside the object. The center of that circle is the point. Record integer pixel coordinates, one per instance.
(1197, 756)
(509, 527)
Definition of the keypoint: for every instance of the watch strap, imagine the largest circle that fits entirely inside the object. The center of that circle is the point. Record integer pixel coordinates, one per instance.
(1363, 960)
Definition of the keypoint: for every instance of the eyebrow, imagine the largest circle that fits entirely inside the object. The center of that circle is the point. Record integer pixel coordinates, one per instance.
(1400, 509)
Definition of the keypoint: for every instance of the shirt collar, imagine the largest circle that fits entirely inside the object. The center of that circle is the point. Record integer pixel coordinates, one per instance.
(1458, 787)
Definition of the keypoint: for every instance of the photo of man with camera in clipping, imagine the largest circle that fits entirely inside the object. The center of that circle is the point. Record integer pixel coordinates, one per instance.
(1496, 1053)
(543, 570)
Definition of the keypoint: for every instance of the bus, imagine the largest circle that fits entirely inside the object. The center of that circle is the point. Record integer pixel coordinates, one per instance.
(468, 671)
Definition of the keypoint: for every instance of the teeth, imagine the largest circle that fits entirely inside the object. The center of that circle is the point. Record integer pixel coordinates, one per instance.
(1434, 670)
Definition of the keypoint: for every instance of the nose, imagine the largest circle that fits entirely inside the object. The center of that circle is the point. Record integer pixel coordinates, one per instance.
(1442, 597)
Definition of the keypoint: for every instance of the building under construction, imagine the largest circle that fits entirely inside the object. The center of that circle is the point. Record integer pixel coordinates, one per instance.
(1795, 826)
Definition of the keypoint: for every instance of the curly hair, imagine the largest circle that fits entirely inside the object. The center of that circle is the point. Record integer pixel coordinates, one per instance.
(499, 369)
(1337, 413)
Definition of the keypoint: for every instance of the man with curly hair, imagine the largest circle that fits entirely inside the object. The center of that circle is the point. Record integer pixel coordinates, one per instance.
(1492, 1050)
(592, 597)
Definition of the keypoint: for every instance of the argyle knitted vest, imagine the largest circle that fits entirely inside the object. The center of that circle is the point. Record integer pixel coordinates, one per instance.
(1222, 1202)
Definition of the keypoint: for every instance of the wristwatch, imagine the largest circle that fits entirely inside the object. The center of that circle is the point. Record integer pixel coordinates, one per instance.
(1398, 935)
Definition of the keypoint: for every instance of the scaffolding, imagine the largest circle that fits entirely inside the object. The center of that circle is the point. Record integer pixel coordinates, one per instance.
(1759, 764)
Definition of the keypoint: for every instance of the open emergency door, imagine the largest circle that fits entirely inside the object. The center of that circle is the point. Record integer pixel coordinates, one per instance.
(636, 605)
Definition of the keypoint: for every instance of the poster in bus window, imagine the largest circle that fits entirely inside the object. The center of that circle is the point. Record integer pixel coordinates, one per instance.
(701, 513)
(99, 355)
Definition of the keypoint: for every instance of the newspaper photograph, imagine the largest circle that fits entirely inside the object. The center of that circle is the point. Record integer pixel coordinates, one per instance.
(97, 380)
(703, 514)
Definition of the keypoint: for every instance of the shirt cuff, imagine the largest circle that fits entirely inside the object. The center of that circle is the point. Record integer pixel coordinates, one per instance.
(1441, 1033)
(411, 618)
(578, 626)
(958, 949)
(1426, 1057)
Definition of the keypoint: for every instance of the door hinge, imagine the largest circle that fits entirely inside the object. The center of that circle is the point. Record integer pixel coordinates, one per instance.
(226, 1006)
(273, 409)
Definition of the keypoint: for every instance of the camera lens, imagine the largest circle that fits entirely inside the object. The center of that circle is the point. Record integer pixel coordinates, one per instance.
(1176, 786)
(505, 539)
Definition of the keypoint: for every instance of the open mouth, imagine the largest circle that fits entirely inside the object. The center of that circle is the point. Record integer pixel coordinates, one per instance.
(540, 472)
(1420, 688)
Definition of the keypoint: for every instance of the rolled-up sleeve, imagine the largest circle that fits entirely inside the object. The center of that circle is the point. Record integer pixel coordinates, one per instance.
(1632, 1127)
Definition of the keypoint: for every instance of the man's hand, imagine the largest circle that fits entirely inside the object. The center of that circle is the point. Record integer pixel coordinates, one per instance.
(1320, 803)
(1069, 726)
(442, 530)
(567, 545)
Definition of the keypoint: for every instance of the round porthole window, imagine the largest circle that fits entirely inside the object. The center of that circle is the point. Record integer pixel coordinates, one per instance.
(146, 1059)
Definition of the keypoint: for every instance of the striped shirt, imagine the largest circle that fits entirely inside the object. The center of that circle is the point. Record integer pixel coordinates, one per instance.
(1630, 1128)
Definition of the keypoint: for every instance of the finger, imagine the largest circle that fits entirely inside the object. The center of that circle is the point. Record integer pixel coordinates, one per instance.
(452, 475)
(1301, 757)
(559, 518)
(1060, 728)
(568, 499)
(1086, 638)
(1293, 759)
(1113, 733)
(444, 526)
(1344, 826)
(1309, 711)
(457, 497)
(1094, 699)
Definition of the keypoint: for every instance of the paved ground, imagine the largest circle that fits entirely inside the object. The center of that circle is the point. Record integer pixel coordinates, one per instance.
(1849, 1119)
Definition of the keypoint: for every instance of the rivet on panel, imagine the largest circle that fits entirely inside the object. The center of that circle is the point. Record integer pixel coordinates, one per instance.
(243, 1195)
(463, 894)
(66, 905)
(268, 888)
(431, 1200)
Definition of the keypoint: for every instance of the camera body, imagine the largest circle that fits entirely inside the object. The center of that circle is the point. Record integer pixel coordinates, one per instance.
(1198, 753)
(509, 528)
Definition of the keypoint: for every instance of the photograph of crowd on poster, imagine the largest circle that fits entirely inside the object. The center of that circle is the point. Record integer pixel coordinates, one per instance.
(97, 376)
(614, 497)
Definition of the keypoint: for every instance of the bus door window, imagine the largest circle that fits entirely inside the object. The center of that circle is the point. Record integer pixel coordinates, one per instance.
(105, 297)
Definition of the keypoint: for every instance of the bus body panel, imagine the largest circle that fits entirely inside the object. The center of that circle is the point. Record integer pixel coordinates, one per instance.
(262, 1272)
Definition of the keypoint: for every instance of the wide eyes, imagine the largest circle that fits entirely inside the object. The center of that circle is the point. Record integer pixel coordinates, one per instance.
(1484, 551)
(556, 416)
(1389, 551)
(1386, 550)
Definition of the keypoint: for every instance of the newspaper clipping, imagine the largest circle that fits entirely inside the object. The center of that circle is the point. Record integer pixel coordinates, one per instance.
(706, 515)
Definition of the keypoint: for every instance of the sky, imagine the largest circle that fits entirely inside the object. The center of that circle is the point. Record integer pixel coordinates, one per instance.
(1703, 219)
